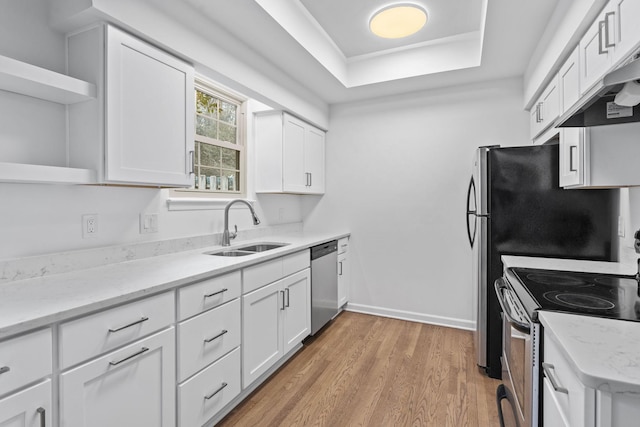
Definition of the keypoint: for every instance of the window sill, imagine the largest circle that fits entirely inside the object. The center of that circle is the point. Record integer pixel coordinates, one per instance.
(195, 204)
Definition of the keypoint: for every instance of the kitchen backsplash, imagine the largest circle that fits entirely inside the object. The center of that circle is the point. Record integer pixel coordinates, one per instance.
(63, 262)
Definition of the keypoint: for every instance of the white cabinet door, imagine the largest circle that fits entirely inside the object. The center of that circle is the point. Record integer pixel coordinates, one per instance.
(343, 279)
(314, 159)
(27, 408)
(596, 50)
(296, 321)
(546, 108)
(625, 22)
(553, 415)
(569, 81)
(573, 156)
(294, 174)
(139, 130)
(133, 386)
(261, 335)
(150, 106)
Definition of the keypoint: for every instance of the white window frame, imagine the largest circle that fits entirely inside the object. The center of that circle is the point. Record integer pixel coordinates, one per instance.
(216, 91)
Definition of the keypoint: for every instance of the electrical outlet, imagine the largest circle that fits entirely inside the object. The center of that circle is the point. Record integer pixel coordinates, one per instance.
(89, 226)
(148, 223)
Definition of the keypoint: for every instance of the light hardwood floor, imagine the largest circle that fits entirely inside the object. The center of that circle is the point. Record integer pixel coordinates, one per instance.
(371, 371)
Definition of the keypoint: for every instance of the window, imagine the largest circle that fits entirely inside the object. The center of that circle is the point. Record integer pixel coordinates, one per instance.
(219, 158)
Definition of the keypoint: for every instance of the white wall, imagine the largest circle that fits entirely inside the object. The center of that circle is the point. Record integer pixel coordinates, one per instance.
(398, 170)
(42, 219)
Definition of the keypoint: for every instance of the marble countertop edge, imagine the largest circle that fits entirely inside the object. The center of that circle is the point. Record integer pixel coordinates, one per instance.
(35, 303)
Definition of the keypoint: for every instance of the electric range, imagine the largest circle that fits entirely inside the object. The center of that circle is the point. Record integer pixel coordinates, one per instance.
(592, 294)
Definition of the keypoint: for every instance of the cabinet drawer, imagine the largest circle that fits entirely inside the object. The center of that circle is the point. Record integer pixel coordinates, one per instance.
(295, 262)
(220, 327)
(201, 296)
(262, 274)
(25, 359)
(200, 398)
(95, 334)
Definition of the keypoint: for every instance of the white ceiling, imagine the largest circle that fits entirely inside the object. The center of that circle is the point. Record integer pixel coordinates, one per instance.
(325, 46)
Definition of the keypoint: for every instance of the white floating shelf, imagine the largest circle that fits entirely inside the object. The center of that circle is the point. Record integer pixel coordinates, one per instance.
(26, 79)
(24, 173)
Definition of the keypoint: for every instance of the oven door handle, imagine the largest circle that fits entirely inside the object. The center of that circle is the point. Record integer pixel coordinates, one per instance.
(501, 288)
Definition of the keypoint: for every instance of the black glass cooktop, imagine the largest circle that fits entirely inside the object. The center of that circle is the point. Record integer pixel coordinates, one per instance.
(584, 293)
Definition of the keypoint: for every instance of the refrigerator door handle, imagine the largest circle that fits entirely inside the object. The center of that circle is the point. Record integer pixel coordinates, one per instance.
(471, 213)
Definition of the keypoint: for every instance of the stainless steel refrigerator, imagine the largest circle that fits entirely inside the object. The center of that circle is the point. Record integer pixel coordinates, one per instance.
(516, 207)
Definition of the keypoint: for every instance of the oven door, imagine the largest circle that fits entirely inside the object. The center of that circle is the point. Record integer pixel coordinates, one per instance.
(516, 396)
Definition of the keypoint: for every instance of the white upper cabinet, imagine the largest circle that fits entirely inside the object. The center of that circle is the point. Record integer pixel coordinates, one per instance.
(573, 160)
(611, 38)
(289, 155)
(569, 81)
(140, 129)
(546, 109)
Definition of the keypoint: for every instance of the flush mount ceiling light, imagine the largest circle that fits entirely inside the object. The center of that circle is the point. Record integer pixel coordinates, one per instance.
(398, 20)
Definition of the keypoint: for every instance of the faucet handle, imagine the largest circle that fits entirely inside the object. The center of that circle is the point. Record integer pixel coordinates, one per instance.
(234, 234)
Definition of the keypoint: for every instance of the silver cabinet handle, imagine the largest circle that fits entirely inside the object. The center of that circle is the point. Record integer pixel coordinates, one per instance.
(607, 43)
(43, 416)
(340, 264)
(4, 369)
(216, 293)
(601, 51)
(287, 291)
(222, 386)
(282, 292)
(572, 150)
(142, 350)
(208, 340)
(128, 325)
(310, 179)
(547, 367)
(191, 162)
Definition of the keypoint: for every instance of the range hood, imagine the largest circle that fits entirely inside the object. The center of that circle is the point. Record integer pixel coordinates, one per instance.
(599, 107)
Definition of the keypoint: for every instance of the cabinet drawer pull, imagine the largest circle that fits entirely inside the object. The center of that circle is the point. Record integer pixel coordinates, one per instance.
(287, 291)
(4, 369)
(601, 51)
(43, 417)
(547, 367)
(340, 265)
(143, 350)
(222, 386)
(282, 292)
(191, 162)
(216, 293)
(143, 319)
(224, 331)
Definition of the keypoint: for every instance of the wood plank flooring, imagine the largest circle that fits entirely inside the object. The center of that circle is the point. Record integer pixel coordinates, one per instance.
(371, 371)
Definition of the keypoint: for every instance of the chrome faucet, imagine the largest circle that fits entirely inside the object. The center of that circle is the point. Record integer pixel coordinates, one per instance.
(226, 235)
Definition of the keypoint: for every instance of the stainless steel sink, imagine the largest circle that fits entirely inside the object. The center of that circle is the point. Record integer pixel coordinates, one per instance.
(261, 247)
(247, 250)
(230, 253)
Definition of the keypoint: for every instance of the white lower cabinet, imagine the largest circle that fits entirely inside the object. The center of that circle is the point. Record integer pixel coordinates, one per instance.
(202, 396)
(344, 272)
(276, 318)
(27, 408)
(567, 402)
(132, 386)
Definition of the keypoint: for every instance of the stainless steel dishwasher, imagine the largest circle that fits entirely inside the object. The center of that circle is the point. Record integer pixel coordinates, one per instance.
(324, 284)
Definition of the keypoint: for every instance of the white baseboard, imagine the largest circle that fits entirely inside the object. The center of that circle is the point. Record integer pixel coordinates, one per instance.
(412, 316)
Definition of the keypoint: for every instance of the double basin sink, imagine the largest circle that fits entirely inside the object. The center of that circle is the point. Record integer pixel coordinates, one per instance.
(247, 250)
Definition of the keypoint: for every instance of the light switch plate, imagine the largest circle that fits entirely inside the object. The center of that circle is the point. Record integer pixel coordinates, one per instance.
(148, 223)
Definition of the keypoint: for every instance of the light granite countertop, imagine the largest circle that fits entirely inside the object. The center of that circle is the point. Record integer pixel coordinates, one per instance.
(37, 302)
(604, 353)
